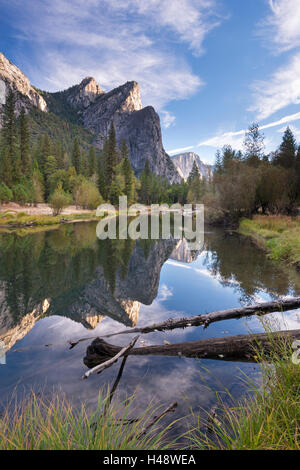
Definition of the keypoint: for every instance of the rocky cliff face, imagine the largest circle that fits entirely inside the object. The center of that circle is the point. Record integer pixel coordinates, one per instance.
(184, 163)
(138, 126)
(82, 95)
(95, 109)
(11, 78)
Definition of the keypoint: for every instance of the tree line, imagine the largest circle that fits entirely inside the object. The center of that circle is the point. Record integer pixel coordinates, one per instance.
(40, 170)
(248, 182)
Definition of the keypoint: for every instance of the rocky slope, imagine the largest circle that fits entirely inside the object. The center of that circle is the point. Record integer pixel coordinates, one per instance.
(184, 163)
(11, 78)
(82, 95)
(138, 126)
(88, 105)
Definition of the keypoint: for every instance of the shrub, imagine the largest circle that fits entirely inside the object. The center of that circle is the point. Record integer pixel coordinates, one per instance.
(87, 195)
(58, 200)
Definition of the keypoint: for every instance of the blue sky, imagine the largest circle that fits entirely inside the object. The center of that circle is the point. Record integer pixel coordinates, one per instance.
(209, 67)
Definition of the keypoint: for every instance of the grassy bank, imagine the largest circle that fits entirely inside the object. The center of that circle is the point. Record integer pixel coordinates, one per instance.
(40, 424)
(269, 420)
(278, 235)
(21, 219)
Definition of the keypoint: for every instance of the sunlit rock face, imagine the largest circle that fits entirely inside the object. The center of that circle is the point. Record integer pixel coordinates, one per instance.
(83, 95)
(183, 253)
(11, 331)
(184, 163)
(11, 78)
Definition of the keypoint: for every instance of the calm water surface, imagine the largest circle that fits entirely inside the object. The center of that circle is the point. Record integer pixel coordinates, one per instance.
(64, 284)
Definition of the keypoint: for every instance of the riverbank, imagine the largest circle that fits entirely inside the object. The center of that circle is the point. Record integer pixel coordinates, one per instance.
(267, 418)
(278, 235)
(16, 216)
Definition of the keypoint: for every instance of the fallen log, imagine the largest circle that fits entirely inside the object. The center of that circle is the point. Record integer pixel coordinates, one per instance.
(234, 348)
(109, 362)
(207, 319)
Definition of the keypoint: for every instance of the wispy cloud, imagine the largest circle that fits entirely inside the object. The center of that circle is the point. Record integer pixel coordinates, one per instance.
(279, 91)
(180, 150)
(236, 138)
(168, 119)
(282, 26)
(116, 42)
(281, 33)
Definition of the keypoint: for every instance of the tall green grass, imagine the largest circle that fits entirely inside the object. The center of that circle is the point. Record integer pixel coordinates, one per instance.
(268, 420)
(279, 235)
(53, 424)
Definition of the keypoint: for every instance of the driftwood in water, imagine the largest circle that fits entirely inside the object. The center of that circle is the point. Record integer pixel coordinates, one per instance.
(112, 359)
(207, 319)
(241, 348)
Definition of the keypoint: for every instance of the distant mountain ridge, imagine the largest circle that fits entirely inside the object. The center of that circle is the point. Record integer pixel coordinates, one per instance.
(184, 163)
(88, 106)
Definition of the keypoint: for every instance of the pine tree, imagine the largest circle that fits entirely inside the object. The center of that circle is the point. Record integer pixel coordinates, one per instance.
(218, 163)
(196, 185)
(228, 156)
(124, 150)
(254, 145)
(111, 156)
(129, 179)
(76, 156)
(92, 162)
(10, 164)
(102, 184)
(9, 126)
(5, 167)
(24, 144)
(50, 168)
(44, 150)
(194, 173)
(297, 168)
(114, 193)
(286, 157)
(146, 184)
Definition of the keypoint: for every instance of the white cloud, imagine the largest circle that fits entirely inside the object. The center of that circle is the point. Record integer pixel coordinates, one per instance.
(180, 150)
(190, 20)
(281, 90)
(282, 26)
(165, 293)
(236, 138)
(116, 42)
(168, 119)
(281, 33)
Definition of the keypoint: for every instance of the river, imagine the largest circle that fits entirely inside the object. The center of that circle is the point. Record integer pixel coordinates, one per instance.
(64, 283)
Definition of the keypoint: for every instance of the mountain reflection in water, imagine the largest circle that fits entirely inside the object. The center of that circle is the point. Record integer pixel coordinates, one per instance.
(69, 272)
(64, 284)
